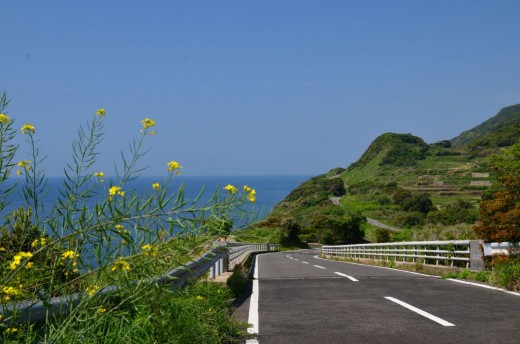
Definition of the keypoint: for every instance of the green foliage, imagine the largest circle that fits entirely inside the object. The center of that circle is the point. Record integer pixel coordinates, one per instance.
(500, 214)
(394, 150)
(506, 273)
(459, 211)
(125, 241)
(238, 281)
(506, 117)
(381, 235)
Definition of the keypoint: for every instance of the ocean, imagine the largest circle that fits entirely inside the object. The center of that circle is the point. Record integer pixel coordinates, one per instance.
(270, 189)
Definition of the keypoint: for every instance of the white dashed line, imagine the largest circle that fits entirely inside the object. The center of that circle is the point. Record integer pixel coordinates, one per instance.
(320, 267)
(305, 262)
(296, 259)
(419, 311)
(347, 276)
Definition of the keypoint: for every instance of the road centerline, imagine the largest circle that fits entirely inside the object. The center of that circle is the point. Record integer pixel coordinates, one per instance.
(347, 276)
(319, 267)
(420, 311)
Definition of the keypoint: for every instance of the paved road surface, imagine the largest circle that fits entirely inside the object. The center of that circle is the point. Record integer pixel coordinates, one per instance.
(303, 299)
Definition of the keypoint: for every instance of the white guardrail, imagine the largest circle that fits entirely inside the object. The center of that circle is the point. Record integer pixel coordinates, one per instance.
(459, 252)
(213, 260)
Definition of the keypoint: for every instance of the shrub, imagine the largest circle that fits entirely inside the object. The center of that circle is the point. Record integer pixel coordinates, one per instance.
(506, 273)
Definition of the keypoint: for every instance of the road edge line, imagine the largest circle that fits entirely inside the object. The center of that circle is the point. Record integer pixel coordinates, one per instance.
(484, 286)
(347, 276)
(253, 303)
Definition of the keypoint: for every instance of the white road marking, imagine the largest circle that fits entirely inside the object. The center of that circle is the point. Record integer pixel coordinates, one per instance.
(253, 305)
(305, 262)
(347, 276)
(251, 341)
(296, 259)
(483, 286)
(321, 267)
(419, 311)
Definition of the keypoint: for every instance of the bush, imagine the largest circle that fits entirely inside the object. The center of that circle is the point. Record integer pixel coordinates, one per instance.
(506, 273)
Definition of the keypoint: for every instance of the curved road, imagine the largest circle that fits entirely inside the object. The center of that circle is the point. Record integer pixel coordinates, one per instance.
(304, 299)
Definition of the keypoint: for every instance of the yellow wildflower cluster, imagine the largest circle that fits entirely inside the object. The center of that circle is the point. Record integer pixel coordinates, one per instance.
(174, 165)
(17, 259)
(71, 255)
(101, 310)
(28, 128)
(10, 330)
(92, 290)
(147, 123)
(4, 118)
(115, 191)
(156, 186)
(25, 164)
(251, 193)
(149, 250)
(122, 265)
(153, 133)
(232, 190)
(101, 112)
(10, 292)
(39, 242)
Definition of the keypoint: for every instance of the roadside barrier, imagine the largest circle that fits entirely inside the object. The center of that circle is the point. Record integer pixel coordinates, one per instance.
(213, 260)
(454, 252)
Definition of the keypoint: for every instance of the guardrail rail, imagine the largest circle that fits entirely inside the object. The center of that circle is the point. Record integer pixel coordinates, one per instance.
(214, 260)
(453, 252)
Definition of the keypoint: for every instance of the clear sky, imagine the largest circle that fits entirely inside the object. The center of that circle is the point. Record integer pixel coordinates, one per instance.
(282, 87)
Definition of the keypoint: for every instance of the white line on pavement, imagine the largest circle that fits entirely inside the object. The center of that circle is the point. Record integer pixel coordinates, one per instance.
(253, 304)
(321, 267)
(419, 311)
(347, 276)
(296, 259)
(305, 262)
(483, 286)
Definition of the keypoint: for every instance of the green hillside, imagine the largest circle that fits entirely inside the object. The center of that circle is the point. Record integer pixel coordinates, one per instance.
(428, 191)
(504, 125)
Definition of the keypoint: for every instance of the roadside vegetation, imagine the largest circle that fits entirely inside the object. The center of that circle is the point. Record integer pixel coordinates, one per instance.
(109, 253)
(463, 188)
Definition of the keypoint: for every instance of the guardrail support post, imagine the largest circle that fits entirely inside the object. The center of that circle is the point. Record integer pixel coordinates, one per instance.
(475, 255)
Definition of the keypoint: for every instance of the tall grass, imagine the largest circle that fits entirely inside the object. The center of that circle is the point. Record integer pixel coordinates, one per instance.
(123, 242)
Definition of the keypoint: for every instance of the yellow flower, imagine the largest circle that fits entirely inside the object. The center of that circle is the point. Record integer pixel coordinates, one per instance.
(252, 196)
(147, 123)
(230, 188)
(28, 128)
(29, 265)
(119, 227)
(70, 254)
(146, 247)
(18, 172)
(153, 133)
(39, 242)
(10, 330)
(99, 174)
(156, 186)
(173, 165)
(24, 164)
(101, 112)
(200, 298)
(247, 189)
(121, 264)
(4, 118)
(92, 290)
(101, 310)
(2, 249)
(115, 190)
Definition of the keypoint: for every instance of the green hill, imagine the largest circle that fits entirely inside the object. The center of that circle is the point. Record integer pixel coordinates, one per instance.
(431, 191)
(499, 131)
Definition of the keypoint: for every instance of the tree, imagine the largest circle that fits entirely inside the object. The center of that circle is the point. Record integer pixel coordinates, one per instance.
(500, 215)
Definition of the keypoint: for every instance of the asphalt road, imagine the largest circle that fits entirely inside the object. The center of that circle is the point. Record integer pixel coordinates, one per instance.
(303, 299)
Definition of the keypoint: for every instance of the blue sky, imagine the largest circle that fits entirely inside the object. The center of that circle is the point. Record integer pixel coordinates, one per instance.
(287, 87)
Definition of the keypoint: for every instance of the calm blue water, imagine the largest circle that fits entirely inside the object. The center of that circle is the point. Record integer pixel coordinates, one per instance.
(270, 189)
